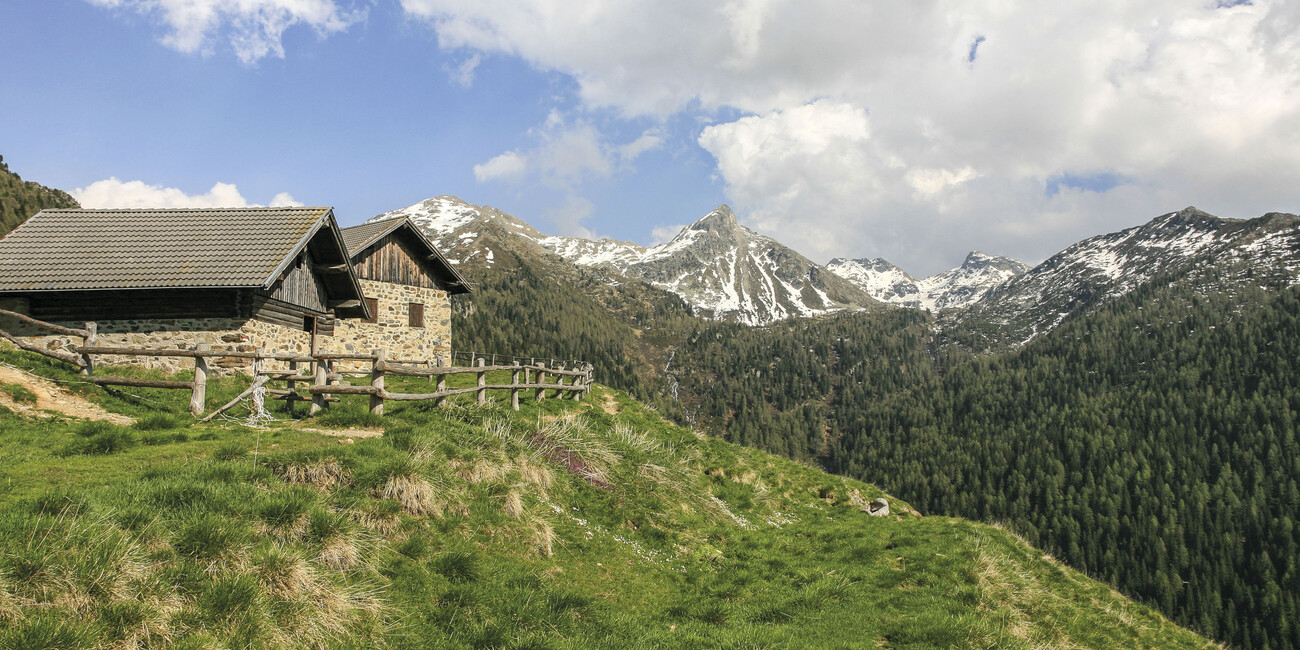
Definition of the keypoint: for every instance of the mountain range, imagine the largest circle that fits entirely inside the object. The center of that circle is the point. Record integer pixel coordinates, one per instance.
(727, 272)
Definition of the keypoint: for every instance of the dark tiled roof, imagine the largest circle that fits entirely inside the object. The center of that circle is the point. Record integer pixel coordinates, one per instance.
(359, 238)
(58, 250)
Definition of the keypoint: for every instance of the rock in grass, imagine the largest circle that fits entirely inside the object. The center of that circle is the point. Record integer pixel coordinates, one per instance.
(878, 507)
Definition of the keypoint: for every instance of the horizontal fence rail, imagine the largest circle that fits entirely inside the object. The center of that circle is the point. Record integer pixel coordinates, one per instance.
(322, 379)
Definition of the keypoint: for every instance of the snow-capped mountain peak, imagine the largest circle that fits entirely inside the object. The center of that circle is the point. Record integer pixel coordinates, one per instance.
(952, 289)
(724, 270)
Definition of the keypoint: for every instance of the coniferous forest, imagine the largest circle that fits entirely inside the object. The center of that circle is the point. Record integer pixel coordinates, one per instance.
(1151, 443)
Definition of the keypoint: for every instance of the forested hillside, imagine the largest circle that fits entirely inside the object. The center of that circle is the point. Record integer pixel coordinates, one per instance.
(1151, 443)
(530, 306)
(20, 199)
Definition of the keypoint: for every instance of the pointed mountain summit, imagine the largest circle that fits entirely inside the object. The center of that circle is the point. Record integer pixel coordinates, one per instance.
(728, 272)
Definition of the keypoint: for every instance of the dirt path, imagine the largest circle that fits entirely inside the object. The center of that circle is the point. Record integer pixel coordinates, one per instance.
(610, 405)
(52, 397)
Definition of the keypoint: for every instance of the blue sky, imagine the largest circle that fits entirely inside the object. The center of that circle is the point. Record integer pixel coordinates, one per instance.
(910, 131)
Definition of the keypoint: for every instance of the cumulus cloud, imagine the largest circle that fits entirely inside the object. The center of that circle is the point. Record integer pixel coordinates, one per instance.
(285, 200)
(254, 28)
(510, 164)
(914, 130)
(114, 193)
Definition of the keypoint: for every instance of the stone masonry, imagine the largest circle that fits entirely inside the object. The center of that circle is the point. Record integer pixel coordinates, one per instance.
(392, 331)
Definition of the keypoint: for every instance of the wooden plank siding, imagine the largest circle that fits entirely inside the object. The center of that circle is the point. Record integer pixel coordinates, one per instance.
(300, 286)
(390, 259)
(270, 310)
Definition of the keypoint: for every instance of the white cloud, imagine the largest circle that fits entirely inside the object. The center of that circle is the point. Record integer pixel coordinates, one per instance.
(865, 127)
(113, 193)
(463, 75)
(569, 216)
(567, 154)
(929, 182)
(254, 28)
(507, 165)
(649, 141)
(285, 200)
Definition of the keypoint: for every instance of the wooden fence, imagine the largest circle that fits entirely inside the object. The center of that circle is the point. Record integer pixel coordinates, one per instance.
(315, 372)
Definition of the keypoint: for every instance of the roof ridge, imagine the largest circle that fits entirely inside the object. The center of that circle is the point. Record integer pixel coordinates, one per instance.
(252, 208)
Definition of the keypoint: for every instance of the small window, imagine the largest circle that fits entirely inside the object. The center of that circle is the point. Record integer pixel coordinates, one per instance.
(372, 304)
(416, 311)
(309, 324)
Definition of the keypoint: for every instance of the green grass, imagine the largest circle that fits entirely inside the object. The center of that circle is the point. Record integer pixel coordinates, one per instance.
(19, 394)
(558, 526)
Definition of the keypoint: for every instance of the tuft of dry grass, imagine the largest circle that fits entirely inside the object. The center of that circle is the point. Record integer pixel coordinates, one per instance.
(307, 605)
(483, 470)
(414, 492)
(322, 474)
(513, 504)
(567, 441)
(543, 535)
(532, 471)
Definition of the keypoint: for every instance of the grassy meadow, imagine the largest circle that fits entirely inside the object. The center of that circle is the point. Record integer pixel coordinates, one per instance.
(563, 525)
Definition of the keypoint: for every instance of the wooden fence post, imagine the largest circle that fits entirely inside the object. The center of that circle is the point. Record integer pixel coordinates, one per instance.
(482, 382)
(541, 379)
(377, 383)
(442, 386)
(290, 400)
(514, 387)
(318, 399)
(92, 328)
(199, 396)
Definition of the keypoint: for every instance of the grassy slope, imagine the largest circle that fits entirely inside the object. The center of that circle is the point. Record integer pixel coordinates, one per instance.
(562, 525)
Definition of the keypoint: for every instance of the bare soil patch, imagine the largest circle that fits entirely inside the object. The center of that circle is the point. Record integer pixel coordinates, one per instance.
(346, 433)
(52, 397)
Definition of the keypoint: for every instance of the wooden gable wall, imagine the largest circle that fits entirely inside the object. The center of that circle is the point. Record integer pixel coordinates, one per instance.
(392, 259)
(300, 285)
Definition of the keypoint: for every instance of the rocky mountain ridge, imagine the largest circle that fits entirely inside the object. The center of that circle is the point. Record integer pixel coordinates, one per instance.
(953, 289)
(722, 269)
(727, 272)
(1174, 247)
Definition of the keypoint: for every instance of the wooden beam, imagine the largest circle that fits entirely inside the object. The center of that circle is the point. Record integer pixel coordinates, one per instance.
(66, 331)
(30, 347)
(344, 304)
(143, 383)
